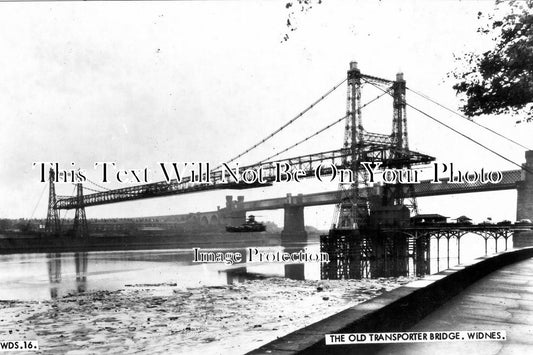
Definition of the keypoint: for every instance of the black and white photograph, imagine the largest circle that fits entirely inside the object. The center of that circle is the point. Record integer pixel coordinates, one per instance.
(266, 177)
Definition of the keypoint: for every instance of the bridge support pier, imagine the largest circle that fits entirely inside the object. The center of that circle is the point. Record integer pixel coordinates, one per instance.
(524, 203)
(293, 234)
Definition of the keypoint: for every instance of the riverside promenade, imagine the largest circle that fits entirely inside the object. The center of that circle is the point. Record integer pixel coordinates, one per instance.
(502, 300)
(491, 293)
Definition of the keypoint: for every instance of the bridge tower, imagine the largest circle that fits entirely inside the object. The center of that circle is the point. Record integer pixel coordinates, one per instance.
(343, 243)
(52, 225)
(524, 203)
(352, 209)
(399, 119)
(80, 219)
(394, 194)
(355, 243)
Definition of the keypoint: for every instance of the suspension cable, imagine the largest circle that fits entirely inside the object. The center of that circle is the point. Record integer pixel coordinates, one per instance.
(286, 124)
(460, 133)
(302, 141)
(458, 114)
(93, 190)
(318, 132)
(38, 201)
(95, 184)
(470, 139)
(66, 212)
(86, 188)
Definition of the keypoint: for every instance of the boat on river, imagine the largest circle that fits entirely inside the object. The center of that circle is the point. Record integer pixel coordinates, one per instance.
(251, 225)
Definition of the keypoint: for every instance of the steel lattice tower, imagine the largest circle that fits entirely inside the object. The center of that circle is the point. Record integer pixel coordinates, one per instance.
(352, 210)
(80, 219)
(399, 119)
(396, 194)
(52, 225)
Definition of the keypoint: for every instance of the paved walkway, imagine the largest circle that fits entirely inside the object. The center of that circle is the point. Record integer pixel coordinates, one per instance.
(502, 300)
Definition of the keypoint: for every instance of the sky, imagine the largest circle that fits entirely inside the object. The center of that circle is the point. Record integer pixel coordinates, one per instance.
(139, 83)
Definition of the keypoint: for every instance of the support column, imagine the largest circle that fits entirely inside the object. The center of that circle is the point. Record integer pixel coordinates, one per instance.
(53, 225)
(80, 219)
(293, 233)
(524, 203)
(422, 256)
(294, 236)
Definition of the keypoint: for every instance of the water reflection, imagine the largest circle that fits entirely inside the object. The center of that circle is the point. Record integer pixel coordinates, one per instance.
(294, 271)
(55, 275)
(80, 259)
(242, 273)
(54, 272)
(54, 263)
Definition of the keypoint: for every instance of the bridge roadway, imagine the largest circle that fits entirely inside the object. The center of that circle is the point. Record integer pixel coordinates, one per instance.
(423, 189)
(502, 300)
(376, 150)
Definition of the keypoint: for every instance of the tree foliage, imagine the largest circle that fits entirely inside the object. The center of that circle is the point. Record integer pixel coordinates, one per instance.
(500, 80)
(293, 8)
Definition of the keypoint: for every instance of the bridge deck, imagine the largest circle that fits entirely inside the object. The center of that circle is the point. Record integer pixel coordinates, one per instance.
(424, 189)
(502, 300)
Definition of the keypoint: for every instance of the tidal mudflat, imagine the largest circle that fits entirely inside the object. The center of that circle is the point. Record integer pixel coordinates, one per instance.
(168, 318)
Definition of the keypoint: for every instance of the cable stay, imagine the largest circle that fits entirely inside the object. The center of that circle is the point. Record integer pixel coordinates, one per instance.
(73, 191)
(466, 118)
(461, 134)
(318, 132)
(93, 190)
(302, 141)
(86, 188)
(38, 201)
(286, 124)
(100, 186)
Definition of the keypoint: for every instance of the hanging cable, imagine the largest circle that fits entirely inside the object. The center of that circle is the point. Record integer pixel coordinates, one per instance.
(87, 188)
(95, 184)
(38, 201)
(66, 212)
(474, 122)
(318, 132)
(303, 140)
(461, 134)
(470, 139)
(93, 190)
(286, 124)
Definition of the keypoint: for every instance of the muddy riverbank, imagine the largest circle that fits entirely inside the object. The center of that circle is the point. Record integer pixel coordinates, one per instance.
(167, 318)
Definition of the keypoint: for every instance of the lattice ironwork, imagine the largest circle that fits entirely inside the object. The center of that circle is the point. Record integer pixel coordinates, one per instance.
(445, 187)
(80, 219)
(53, 224)
(344, 250)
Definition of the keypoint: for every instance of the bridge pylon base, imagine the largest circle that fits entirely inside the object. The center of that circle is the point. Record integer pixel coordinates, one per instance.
(344, 249)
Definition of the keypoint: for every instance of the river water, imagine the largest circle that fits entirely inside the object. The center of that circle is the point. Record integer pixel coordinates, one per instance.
(53, 275)
(159, 301)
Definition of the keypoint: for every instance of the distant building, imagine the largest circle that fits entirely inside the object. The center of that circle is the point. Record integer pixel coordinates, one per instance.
(463, 219)
(387, 216)
(428, 218)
